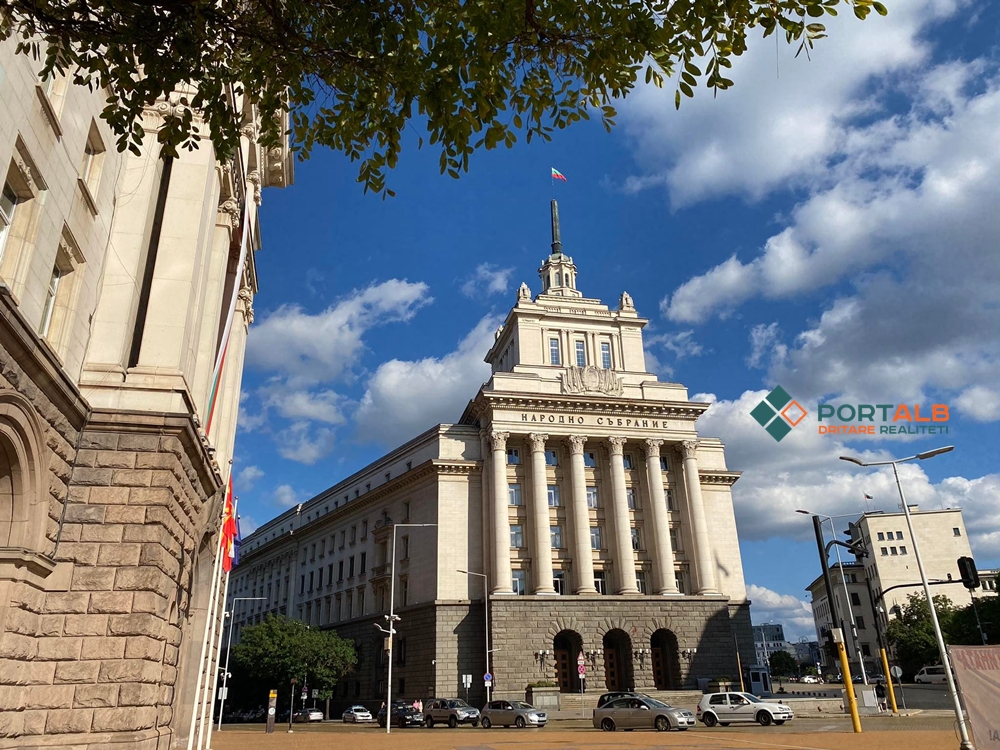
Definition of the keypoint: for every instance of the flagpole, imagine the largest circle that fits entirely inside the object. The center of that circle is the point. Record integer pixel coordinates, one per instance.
(218, 650)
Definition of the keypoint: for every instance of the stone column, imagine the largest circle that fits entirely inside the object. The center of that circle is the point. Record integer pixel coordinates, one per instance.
(702, 543)
(501, 520)
(583, 557)
(623, 555)
(542, 556)
(663, 553)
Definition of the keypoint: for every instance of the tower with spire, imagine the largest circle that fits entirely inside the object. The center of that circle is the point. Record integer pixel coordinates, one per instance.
(558, 272)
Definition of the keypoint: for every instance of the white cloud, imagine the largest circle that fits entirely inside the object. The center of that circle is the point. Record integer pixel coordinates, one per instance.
(305, 444)
(403, 398)
(979, 403)
(247, 477)
(681, 344)
(285, 495)
(321, 347)
(486, 280)
(794, 613)
(804, 471)
(247, 525)
(300, 404)
(763, 339)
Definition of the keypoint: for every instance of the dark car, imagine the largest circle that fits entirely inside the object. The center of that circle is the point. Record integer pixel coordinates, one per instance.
(403, 715)
(616, 694)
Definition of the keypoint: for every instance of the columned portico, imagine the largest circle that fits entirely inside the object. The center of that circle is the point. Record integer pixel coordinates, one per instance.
(501, 521)
(542, 555)
(624, 557)
(583, 560)
(704, 563)
(663, 553)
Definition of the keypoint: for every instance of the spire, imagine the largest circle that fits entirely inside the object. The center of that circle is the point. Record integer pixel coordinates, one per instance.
(556, 241)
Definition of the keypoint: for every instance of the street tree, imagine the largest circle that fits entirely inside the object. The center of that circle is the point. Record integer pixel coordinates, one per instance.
(911, 634)
(279, 649)
(356, 74)
(783, 664)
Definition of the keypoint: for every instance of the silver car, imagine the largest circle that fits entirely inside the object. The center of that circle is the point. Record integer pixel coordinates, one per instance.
(450, 711)
(641, 713)
(518, 713)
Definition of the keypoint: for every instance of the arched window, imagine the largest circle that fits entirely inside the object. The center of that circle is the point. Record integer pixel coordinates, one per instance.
(23, 505)
(558, 279)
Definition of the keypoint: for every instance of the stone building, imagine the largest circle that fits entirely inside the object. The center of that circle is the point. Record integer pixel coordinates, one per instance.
(574, 494)
(857, 618)
(118, 271)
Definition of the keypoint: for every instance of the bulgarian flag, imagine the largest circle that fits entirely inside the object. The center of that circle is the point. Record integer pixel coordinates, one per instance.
(557, 175)
(229, 529)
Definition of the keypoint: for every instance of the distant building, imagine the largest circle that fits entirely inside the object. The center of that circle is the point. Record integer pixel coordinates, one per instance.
(767, 639)
(807, 653)
(863, 640)
(988, 583)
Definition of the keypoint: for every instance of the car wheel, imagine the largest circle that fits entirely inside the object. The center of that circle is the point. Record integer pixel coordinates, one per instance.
(608, 725)
(344, 720)
(661, 724)
(475, 722)
(430, 722)
(710, 721)
(452, 722)
(764, 718)
(519, 722)
(487, 723)
(919, 682)
(779, 722)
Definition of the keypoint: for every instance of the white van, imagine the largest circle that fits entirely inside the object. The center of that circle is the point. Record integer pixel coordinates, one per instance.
(931, 675)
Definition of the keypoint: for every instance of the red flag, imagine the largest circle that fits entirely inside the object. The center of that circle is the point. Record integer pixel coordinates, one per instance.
(228, 529)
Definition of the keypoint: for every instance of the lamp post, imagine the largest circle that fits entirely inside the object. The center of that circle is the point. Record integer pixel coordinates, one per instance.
(392, 618)
(963, 730)
(486, 605)
(229, 647)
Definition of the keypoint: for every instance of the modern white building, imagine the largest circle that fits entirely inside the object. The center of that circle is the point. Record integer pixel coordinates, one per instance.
(767, 639)
(575, 482)
(857, 617)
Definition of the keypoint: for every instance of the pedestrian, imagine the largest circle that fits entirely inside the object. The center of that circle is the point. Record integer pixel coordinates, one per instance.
(880, 694)
(420, 706)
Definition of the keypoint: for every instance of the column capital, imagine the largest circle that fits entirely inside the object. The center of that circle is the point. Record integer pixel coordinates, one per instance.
(615, 445)
(498, 440)
(538, 441)
(652, 447)
(689, 449)
(576, 443)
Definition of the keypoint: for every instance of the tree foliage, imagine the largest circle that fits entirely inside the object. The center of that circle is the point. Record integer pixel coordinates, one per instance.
(354, 73)
(279, 649)
(911, 634)
(783, 664)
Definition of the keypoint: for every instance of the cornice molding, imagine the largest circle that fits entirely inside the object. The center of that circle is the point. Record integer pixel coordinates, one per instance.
(727, 478)
(597, 405)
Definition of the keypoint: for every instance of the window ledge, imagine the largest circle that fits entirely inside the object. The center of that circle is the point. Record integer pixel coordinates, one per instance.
(50, 111)
(88, 197)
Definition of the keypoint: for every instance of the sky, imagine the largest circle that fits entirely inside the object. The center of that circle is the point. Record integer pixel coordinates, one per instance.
(829, 225)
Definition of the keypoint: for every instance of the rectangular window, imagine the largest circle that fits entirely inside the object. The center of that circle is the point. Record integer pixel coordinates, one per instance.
(860, 622)
(8, 203)
(865, 648)
(319, 583)
(343, 538)
(670, 499)
(559, 582)
(956, 532)
(514, 495)
(350, 567)
(679, 580)
(902, 550)
(554, 496)
(361, 602)
(892, 550)
(899, 534)
(599, 581)
(554, 352)
(516, 536)
(606, 356)
(664, 466)
(555, 535)
(855, 599)
(354, 534)
(93, 162)
(50, 300)
(881, 537)
(517, 582)
(627, 460)
(406, 548)
(884, 552)
(404, 584)
(592, 497)
(329, 574)
(590, 459)
(409, 465)
(551, 459)
(513, 456)
(364, 562)
(364, 529)
(595, 538)
(640, 580)
(675, 541)
(340, 571)
(630, 498)
(368, 486)
(302, 584)
(636, 542)
(581, 354)
(388, 475)
(406, 511)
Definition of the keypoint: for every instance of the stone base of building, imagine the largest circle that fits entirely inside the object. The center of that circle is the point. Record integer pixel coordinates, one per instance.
(153, 739)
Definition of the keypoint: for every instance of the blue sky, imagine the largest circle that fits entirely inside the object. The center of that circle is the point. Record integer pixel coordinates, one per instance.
(828, 225)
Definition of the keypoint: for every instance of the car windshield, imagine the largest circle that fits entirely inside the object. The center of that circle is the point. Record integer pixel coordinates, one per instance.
(521, 704)
(656, 704)
(457, 704)
(751, 698)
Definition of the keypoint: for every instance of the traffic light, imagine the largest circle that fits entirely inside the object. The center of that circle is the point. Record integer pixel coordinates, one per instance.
(967, 569)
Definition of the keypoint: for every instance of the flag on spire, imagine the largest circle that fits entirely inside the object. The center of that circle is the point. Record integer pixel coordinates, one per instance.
(868, 497)
(229, 529)
(557, 175)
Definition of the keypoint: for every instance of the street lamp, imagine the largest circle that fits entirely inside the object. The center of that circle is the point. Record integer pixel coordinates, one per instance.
(486, 605)
(392, 618)
(963, 730)
(229, 647)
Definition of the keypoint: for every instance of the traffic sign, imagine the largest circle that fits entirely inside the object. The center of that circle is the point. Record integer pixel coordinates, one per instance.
(489, 683)
(896, 672)
(488, 677)
(580, 660)
(581, 669)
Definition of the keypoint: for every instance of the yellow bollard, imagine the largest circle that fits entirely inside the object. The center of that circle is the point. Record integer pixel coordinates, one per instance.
(845, 670)
(888, 681)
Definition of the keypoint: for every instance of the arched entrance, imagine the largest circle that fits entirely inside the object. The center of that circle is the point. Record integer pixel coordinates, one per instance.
(618, 660)
(566, 646)
(666, 660)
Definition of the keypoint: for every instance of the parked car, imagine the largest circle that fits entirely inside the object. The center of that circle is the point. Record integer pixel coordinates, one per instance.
(357, 714)
(518, 713)
(930, 675)
(450, 711)
(728, 708)
(307, 714)
(641, 713)
(616, 694)
(811, 679)
(403, 715)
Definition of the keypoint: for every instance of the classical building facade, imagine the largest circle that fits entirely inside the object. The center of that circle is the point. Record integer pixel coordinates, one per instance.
(117, 274)
(574, 495)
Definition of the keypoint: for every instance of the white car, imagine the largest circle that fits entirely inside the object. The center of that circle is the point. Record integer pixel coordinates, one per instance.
(932, 675)
(729, 708)
(357, 714)
(811, 679)
(308, 714)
